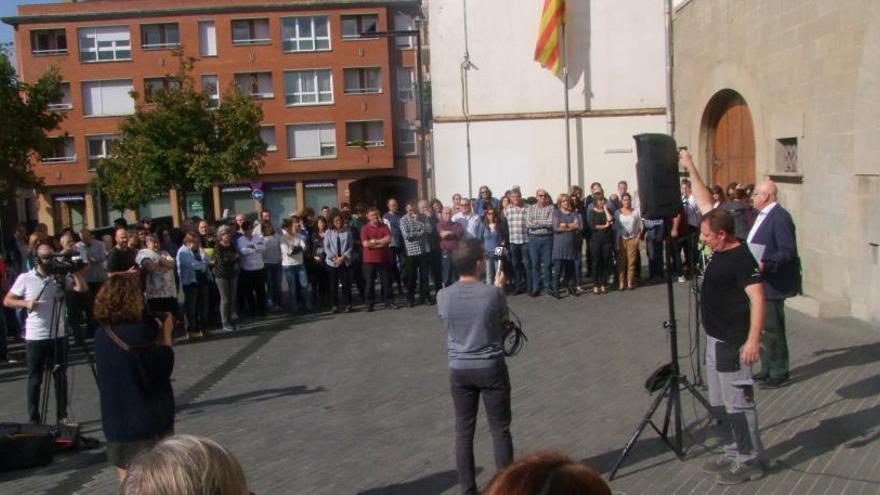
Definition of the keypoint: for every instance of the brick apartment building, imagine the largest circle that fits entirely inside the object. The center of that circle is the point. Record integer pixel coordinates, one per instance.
(340, 111)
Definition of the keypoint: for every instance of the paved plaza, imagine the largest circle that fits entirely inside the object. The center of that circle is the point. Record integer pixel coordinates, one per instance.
(358, 403)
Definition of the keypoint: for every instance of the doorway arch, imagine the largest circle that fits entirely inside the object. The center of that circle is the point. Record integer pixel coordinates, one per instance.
(730, 138)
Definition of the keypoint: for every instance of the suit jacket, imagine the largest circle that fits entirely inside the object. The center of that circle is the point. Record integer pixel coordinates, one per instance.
(782, 266)
(330, 249)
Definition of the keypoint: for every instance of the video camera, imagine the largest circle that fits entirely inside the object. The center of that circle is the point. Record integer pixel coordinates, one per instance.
(62, 263)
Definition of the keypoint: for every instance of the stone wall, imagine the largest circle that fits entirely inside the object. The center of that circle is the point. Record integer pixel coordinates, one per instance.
(807, 69)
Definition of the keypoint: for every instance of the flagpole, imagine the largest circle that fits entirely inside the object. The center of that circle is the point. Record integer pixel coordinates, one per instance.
(565, 92)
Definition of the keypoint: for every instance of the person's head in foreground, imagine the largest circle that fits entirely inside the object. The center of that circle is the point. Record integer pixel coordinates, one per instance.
(185, 465)
(546, 473)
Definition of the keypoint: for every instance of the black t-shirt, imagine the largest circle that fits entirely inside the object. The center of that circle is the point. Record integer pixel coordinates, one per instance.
(725, 305)
(120, 260)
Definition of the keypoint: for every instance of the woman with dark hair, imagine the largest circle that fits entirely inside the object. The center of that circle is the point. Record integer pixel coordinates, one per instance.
(338, 245)
(272, 263)
(134, 359)
(546, 473)
(321, 279)
(628, 223)
(493, 233)
(718, 198)
(225, 269)
(601, 242)
(566, 224)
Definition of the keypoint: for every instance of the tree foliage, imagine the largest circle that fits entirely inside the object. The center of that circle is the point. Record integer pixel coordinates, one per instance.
(25, 120)
(177, 142)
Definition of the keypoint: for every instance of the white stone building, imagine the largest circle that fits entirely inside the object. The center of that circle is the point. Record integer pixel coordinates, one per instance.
(498, 115)
(791, 91)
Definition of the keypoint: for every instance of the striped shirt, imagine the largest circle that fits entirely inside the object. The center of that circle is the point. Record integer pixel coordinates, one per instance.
(516, 224)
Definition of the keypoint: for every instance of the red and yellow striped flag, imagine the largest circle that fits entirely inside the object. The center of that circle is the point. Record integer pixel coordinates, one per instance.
(547, 49)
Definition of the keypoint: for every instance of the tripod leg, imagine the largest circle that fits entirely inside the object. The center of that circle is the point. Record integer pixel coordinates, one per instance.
(638, 431)
(697, 395)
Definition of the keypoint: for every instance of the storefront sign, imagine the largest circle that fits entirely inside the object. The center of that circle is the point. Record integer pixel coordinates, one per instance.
(65, 198)
(232, 188)
(319, 184)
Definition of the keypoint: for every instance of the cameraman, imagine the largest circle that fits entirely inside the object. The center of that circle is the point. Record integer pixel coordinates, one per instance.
(472, 313)
(35, 291)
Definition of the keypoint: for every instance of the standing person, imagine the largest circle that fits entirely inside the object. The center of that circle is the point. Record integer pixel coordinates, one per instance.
(687, 231)
(272, 264)
(134, 358)
(392, 219)
(518, 238)
(566, 224)
(472, 314)
(225, 271)
(579, 206)
(733, 309)
(539, 221)
(601, 242)
(356, 221)
(450, 234)
(774, 232)
(252, 278)
(45, 340)
(375, 239)
(338, 244)
(469, 221)
(485, 200)
(629, 230)
(653, 234)
(742, 212)
(321, 276)
(160, 288)
(493, 234)
(293, 251)
(192, 268)
(95, 257)
(435, 262)
(121, 258)
(415, 229)
(456, 199)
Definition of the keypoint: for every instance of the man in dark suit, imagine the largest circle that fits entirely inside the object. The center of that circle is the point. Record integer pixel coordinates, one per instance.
(780, 271)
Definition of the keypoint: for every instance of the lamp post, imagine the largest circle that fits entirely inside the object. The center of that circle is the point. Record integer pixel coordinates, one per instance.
(417, 33)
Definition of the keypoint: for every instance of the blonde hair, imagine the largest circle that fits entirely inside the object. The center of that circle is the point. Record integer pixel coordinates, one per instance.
(185, 465)
(562, 197)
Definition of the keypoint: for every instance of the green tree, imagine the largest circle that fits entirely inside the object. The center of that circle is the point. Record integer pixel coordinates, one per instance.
(25, 120)
(176, 141)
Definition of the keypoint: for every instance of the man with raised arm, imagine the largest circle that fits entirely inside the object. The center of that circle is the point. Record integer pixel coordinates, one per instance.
(732, 305)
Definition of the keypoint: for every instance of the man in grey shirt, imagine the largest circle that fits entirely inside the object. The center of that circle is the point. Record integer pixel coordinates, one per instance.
(472, 314)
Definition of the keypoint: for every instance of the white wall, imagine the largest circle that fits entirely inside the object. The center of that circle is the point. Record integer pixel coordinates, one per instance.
(616, 54)
(531, 154)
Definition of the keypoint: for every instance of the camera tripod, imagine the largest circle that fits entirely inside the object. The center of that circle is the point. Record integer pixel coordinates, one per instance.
(673, 382)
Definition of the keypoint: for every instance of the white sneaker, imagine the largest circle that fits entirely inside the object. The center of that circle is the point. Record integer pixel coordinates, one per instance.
(681, 279)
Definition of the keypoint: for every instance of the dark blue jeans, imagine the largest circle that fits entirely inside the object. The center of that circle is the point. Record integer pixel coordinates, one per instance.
(449, 276)
(297, 286)
(521, 263)
(466, 386)
(541, 254)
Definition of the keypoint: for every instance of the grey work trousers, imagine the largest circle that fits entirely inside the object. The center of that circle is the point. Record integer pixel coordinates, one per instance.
(731, 387)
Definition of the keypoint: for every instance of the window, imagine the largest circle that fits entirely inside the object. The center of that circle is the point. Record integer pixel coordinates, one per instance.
(311, 141)
(211, 86)
(104, 98)
(104, 44)
(406, 141)
(404, 22)
(355, 25)
(100, 147)
(207, 39)
(65, 103)
(305, 34)
(405, 87)
(61, 150)
(154, 84)
(362, 80)
(304, 87)
(48, 41)
(256, 84)
(267, 134)
(250, 31)
(787, 155)
(157, 36)
(365, 133)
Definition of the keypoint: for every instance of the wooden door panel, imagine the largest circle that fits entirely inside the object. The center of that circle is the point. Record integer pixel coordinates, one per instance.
(733, 143)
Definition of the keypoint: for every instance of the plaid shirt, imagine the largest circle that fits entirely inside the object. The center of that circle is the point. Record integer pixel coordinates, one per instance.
(415, 234)
(539, 219)
(516, 224)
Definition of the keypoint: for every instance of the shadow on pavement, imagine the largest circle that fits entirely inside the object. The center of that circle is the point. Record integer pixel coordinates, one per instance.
(253, 396)
(833, 359)
(432, 484)
(644, 449)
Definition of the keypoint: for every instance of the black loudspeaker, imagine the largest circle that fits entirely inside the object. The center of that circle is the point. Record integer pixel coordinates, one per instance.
(657, 175)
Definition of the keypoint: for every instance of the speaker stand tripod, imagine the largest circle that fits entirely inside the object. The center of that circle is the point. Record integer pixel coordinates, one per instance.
(671, 390)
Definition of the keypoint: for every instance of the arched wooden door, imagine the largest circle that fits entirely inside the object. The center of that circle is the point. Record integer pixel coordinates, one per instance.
(731, 139)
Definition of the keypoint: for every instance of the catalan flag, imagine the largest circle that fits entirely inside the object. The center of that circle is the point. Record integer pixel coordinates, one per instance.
(547, 50)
